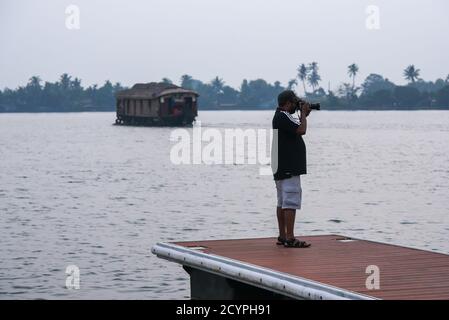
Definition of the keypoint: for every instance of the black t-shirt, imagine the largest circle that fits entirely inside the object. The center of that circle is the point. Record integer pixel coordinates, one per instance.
(291, 149)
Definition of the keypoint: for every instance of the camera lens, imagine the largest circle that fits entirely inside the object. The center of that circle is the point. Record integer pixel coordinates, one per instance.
(315, 106)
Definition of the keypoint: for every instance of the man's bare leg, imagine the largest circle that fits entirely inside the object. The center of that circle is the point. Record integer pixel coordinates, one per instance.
(281, 222)
(289, 216)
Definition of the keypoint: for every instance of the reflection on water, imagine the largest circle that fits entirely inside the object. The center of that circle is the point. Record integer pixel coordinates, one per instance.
(76, 190)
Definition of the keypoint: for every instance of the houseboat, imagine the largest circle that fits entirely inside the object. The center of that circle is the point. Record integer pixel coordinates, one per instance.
(156, 104)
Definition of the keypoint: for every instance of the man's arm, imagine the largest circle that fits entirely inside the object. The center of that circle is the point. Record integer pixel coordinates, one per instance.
(302, 129)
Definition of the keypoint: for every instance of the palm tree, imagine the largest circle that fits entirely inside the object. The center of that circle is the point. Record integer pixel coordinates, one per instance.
(313, 78)
(33, 90)
(166, 81)
(353, 69)
(302, 75)
(411, 73)
(277, 84)
(76, 84)
(35, 82)
(217, 86)
(244, 96)
(291, 84)
(186, 81)
(278, 87)
(64, 80)
(117, 87)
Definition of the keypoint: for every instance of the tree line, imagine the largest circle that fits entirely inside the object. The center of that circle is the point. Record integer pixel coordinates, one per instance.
(374, 93)
(65, 95)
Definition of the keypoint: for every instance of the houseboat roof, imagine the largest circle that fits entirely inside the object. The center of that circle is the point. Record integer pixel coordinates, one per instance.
(151, 90)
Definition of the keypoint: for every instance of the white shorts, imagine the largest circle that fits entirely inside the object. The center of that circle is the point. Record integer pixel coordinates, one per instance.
(289, 193)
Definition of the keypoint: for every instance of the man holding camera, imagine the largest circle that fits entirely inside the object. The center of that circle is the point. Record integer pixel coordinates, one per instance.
(289, 163)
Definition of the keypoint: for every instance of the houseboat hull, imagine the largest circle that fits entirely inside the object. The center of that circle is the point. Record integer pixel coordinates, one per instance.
(154, 121)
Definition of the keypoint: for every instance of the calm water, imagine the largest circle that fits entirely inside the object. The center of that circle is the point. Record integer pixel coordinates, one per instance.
(76, 190)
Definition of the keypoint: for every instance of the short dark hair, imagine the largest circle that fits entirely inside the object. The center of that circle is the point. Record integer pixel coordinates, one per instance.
(286, 96)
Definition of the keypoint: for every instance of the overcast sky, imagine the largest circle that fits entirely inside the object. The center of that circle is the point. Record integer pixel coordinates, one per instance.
(141, 41)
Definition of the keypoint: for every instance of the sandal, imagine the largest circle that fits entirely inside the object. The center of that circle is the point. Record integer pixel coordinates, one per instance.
(295, 243)
(281, 241)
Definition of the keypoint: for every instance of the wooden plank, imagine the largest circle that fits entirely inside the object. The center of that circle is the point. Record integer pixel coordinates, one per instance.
(405, 273)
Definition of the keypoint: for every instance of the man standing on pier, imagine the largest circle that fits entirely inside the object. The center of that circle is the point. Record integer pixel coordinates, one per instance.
(289, 163)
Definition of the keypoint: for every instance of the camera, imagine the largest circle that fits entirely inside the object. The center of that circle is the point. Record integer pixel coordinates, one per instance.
(313, 106)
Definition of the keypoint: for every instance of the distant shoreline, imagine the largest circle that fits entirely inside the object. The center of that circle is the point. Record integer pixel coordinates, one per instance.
(242, 109)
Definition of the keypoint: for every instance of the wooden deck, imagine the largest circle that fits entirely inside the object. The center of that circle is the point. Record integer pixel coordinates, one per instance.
(405, 273)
